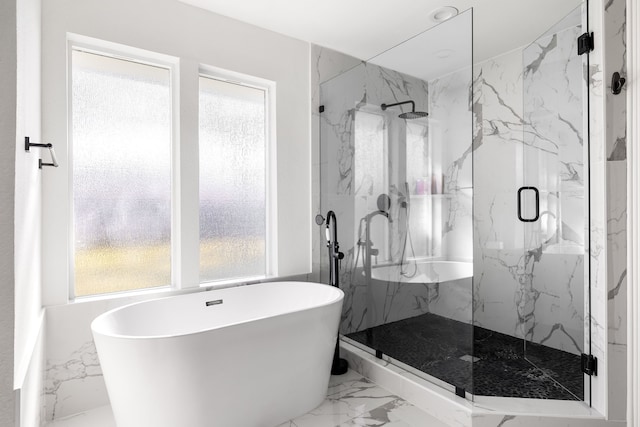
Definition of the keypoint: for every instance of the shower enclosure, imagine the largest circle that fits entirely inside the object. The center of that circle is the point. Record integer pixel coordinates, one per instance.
(461, 190)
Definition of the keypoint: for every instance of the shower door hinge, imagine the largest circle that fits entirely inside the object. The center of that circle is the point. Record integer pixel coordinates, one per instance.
(589, 364)
(585, 43)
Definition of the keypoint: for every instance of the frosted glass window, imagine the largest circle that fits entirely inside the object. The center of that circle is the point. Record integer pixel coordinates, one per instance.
(121, 145)
(232, 180)
(418, 159)
(424, 187)
(370, 175)
(369, 161)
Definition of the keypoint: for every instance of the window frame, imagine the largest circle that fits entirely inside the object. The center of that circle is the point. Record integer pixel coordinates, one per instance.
(184, 153)
(271, 233)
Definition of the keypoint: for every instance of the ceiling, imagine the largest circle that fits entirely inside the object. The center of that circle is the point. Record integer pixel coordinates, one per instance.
(365, 28)
(452, 52)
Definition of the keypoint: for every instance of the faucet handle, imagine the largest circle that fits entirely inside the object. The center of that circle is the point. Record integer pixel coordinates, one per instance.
(383, 202)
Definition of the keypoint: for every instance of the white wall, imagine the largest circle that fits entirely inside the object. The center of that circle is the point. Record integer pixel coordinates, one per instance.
(28, 301)
(8, 60)
(196, 37)
(73, 380)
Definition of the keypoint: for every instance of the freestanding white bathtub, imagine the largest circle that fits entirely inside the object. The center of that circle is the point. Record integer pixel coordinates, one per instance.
(247, 356)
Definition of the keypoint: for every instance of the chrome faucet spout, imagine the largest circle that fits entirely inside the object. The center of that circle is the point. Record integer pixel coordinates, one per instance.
(373, 214)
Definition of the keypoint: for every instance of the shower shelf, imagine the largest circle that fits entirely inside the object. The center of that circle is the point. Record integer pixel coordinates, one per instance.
(433, 196)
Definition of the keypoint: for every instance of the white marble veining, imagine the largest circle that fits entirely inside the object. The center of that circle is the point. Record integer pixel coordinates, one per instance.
(352, 400)
(617, 252)
(531, 421)
(63, 381)
(439, 402)
(366, 152)
(73, 378)
(326, 64)
(597, 320)
(529, 278)
(615, 40)
(498, 114)
(616, 193)
(451, 137)
(96, 417)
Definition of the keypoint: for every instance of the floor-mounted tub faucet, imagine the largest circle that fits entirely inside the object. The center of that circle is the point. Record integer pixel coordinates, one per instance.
(339, 366)
(334, 249)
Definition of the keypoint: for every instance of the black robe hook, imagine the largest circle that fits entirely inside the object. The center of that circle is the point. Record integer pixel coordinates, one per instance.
(616, 83)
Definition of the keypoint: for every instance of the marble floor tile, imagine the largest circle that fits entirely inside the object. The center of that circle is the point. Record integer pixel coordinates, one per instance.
(397, 413)
(352, 400)
(347, 404)
(99, 417)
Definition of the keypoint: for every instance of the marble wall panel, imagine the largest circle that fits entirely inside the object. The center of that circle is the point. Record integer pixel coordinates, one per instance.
(511, 283)
(617, 287)
(616, 193)
(451, 130)
(596, 342)
(527, 122)
(498, 98)
(500, 301)
(616, 60)
(73, 379)
(353, 195)
(326, 64)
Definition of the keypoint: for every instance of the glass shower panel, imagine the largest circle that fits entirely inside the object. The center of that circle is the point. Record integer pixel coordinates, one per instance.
(554, 206)
(339, 100)
(400, 182)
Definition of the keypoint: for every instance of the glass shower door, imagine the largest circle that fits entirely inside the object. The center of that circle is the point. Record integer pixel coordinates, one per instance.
(396, 167)
(553, 206)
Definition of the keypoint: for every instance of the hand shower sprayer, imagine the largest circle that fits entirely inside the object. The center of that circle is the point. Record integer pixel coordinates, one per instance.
(339, 366)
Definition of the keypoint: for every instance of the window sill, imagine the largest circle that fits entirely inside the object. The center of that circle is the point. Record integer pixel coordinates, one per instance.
(141, 294)
(220, 284)
(166, 291)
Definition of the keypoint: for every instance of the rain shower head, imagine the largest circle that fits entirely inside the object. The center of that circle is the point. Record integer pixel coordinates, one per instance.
(413, 114)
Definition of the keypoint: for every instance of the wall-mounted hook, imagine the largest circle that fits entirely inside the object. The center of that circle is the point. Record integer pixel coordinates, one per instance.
(54, 160)
(617, 83)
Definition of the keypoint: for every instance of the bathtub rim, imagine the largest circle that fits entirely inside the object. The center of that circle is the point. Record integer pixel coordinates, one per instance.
(100, 330)
(419, 261)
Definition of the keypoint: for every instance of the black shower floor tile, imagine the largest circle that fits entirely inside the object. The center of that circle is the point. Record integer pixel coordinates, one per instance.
(443, 348)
